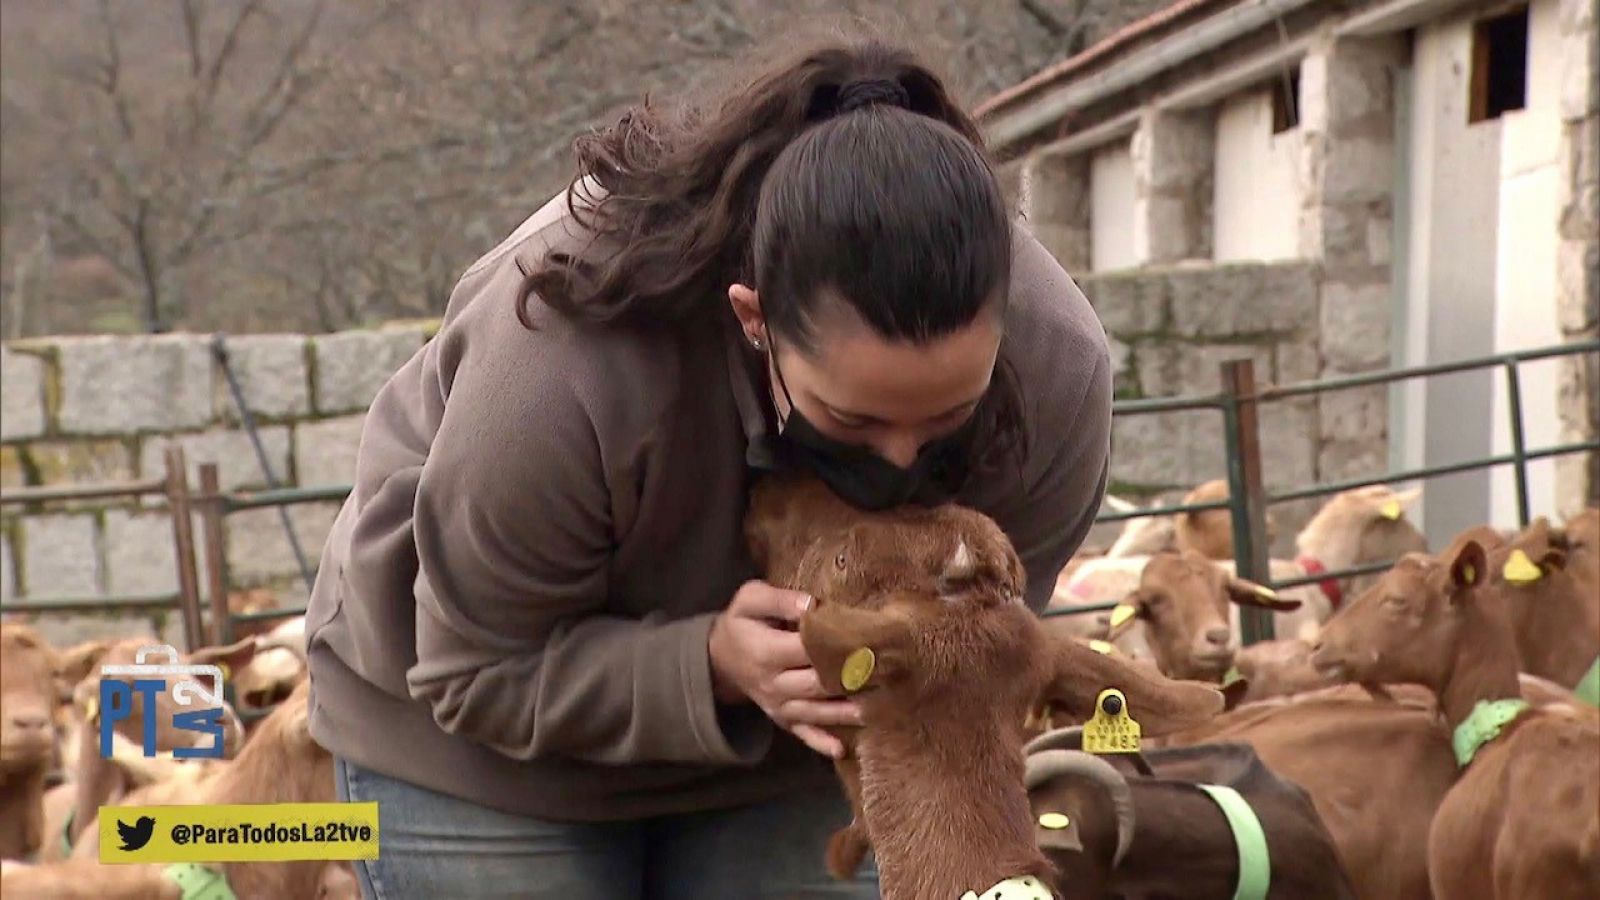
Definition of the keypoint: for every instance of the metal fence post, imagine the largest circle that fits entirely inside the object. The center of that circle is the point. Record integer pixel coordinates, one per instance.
(183, 546)
(211, 511)
(1246, 490)
(1519, 445)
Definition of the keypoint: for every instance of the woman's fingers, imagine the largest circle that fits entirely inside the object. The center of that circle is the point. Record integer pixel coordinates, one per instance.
(820, 712)
(759, 600)
(799, 684)
(819, 740)
(783, 651)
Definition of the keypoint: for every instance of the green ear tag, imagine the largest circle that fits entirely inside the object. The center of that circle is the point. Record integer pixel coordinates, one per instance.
(857, 668)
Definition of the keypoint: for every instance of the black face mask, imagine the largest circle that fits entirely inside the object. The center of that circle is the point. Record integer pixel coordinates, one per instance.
(860, 476)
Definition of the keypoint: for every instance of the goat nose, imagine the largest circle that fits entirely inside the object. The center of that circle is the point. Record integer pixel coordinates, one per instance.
(30, 720)
(1218, 636)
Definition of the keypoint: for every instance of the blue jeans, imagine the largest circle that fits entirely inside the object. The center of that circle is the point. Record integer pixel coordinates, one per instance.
(433, 845)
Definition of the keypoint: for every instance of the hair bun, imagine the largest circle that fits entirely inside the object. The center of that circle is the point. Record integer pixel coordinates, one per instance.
(870, 91)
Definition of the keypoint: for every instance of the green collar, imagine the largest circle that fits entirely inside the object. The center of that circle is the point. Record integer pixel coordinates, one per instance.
(1483, 725)
(1023, 887)
(1255, 863)
(1588, 689)
(199, 882)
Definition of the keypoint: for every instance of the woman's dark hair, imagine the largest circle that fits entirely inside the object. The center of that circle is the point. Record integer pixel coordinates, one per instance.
(845, 175)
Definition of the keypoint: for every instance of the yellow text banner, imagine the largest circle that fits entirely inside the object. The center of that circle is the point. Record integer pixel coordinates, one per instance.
(245, 832)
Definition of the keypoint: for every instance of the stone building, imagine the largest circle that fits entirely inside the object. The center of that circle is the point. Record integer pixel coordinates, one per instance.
(1333, 188)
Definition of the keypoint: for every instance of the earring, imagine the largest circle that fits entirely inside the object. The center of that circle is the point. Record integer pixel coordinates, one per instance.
(756, 343)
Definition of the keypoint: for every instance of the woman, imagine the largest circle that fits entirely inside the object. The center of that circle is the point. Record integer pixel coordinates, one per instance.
(536, 638)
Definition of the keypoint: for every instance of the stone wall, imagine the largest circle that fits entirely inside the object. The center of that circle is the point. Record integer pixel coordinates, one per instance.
(1578, 249)
(92, 410)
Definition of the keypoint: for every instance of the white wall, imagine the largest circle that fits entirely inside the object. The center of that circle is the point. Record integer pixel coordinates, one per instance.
(1481, 249)
(1453, 176)
(1525, 263)
(1111, 195)
(1256, 210)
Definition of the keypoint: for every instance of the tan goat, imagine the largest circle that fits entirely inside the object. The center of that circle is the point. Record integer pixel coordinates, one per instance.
(1523, 819)
(1553, 608)
(921, 612)
(1185, 603)
(281, 764)
(28, 698)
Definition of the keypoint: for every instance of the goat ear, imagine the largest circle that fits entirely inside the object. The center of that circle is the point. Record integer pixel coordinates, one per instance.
(1468, 568)
(1126, 614)
(835, 635)
(1554, 559)
(1247, 593)
(1159, 704)
(233, 657)
(78, 660)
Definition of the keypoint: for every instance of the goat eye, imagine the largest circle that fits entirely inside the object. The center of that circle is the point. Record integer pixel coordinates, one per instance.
(838, 562)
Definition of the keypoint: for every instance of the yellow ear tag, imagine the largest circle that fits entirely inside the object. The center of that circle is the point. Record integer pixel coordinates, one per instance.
(1111, 730)
(1520, 569)
(1103, 647)
(1391, 510)
(227, 673)
(91, 709)
(1054, 821)
(1122, 612)
(857, 668)
(1264, 591)
(1469, 575)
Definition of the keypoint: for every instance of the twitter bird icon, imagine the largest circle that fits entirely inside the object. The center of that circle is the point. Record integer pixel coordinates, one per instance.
(136, 835)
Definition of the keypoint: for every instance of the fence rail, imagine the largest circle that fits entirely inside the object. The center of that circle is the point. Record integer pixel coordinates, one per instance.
(1238, 404)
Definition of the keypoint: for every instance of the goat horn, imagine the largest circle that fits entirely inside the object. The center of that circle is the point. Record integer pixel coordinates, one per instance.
(264, 644)
(1120, 505)
(961, 565)
(1042, 767)
(1069, 738)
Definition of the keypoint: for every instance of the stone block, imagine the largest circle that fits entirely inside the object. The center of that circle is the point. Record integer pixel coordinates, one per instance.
(22, 395)
(352, 366)
(1577, 285)
(1354, 325)
(1351, 459)
(272, 374)
(140, 553)
(232, 451)
(1168, 450)
(258, 549)
(8, 570)
(1357, 170)
(86, 462)
(1289, 443)
(1296, 362)
(1232, 300)
(1354, 414)
(129, 385)
(1128, 303)
(12, 474)
(65, 630)
(1579, 60)
(60, 556)
(1172, 370)
(1121, 356)
(325, 451)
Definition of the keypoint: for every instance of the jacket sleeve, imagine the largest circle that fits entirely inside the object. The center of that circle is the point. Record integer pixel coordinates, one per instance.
(514, 544)
(1064, 361)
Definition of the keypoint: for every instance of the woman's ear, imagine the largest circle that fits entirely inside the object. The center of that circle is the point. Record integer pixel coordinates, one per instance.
(747, 308)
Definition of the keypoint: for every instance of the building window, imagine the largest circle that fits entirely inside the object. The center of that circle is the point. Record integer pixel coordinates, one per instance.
(1499, 65)
(1286, 101)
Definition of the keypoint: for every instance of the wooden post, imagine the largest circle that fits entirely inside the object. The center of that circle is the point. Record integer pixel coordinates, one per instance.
(183, 543)
(211, 507)
(1248, 491)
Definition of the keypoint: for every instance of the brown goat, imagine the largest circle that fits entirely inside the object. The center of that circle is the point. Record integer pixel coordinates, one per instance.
(1208, 532)
(930, 599)
(1183, 601)
(1582, 533)
(1376, 772)
(1554, 612)
(1173, 840)
(1523, 819)
(281, 764)
(28, 697)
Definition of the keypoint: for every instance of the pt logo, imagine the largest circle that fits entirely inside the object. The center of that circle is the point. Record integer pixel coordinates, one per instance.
(136, 835)
(150, 682)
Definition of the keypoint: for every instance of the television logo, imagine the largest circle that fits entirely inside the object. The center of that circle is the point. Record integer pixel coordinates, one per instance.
(150, 682)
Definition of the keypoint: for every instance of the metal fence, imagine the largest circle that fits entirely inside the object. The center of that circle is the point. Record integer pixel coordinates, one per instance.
(1248, 499)
(1238, 402)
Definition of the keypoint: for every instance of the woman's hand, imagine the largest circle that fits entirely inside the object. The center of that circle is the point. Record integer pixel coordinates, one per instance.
(754, 656)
